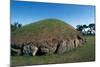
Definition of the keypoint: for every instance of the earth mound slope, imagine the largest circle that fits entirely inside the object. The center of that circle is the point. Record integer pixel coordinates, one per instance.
(49, 33)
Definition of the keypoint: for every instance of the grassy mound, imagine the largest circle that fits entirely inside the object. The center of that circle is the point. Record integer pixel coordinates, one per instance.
(42, 30)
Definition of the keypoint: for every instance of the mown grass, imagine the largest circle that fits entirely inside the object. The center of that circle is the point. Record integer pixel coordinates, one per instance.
(83, 53)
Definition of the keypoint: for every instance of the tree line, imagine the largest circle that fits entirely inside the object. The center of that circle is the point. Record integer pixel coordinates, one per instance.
(15, 26)
(86, 29)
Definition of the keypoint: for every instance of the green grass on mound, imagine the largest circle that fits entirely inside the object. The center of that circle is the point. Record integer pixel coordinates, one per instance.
(44, 29)
(81, 54)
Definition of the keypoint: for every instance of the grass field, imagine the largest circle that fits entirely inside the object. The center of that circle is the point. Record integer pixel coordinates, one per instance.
(81, 54)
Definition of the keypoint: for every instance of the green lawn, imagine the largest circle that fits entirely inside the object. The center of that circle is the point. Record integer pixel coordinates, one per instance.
(81, 54)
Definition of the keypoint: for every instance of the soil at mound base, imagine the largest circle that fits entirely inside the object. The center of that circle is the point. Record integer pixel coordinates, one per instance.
(43, 30)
